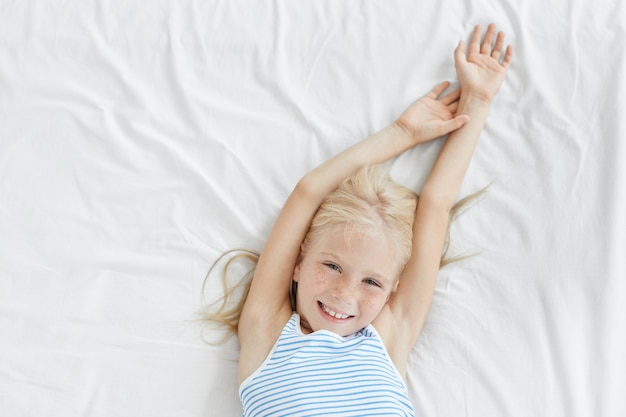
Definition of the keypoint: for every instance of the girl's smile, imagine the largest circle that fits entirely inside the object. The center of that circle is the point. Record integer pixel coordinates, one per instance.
(333, 316)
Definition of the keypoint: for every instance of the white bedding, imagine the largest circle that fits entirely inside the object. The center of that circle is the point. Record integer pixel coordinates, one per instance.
(139, 140)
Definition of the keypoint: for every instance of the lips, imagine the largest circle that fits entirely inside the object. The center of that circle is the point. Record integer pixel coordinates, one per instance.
(332, 313)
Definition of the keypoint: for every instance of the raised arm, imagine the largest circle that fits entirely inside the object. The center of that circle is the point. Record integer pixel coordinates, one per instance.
(267, 303)
(481, 70)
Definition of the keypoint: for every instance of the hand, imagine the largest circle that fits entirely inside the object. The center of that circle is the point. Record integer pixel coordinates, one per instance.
(481, 71)
(432, 116)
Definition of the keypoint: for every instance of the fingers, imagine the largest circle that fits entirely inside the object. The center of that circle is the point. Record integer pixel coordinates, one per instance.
(487, 46)
(449, 99)
(453, 124)
(474, 46)
(497, 50)
(439, 88)
(452, 97)
(508, 57)
(488, 41)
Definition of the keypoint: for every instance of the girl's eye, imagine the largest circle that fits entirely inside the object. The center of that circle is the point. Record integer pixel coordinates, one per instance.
(371, 281)
(332, 266)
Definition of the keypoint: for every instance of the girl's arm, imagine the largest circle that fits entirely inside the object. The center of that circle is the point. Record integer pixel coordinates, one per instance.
(267, 306)
(480, 73)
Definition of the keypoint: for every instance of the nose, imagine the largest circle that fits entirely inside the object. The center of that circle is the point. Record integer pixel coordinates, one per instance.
(344, 291)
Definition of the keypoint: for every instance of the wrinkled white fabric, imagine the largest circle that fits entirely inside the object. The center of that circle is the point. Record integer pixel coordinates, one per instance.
(139, 140)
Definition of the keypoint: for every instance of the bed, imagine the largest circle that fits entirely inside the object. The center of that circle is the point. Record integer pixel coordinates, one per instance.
(140, 140)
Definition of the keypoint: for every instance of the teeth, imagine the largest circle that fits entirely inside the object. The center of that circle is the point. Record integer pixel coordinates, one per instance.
(334, 313)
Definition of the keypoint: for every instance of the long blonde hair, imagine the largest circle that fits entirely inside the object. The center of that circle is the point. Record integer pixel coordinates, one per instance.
(365, 201)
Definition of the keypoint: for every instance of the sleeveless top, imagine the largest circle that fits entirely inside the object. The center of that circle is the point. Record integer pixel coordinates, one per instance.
(324, 374)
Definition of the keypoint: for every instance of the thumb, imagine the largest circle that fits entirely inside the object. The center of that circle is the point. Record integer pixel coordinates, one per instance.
(459, 52)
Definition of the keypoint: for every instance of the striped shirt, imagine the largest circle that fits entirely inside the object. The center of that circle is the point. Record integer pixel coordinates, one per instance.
(324, 374)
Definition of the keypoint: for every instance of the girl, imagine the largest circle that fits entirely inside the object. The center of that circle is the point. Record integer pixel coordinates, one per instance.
(361, 257)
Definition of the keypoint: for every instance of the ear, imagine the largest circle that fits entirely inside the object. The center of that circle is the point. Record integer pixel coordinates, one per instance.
(393, 290)
(296, 273)
(296, 269)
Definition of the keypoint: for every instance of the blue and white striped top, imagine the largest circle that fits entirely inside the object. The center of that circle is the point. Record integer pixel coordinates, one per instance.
(324, 374)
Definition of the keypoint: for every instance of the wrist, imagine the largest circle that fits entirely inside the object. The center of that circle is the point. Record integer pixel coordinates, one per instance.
(470, 102)
(476, 97)
(401, 130)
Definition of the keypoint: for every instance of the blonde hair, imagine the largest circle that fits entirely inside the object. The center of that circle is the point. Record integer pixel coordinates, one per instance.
(368, 201)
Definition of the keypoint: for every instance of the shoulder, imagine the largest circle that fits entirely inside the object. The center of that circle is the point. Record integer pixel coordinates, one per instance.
(396, 341)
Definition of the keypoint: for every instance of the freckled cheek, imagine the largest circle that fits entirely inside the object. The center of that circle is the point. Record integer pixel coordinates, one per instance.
(373, 301)
(319, 277)
(314, 279)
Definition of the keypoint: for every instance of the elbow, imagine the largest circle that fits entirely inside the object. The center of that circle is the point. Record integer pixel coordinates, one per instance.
(306, 185)
(311, 188)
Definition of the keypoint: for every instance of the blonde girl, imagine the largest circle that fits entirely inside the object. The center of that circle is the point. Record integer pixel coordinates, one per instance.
(361, 255)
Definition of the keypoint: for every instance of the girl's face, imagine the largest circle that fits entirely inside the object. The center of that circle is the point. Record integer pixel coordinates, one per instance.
(344, 280)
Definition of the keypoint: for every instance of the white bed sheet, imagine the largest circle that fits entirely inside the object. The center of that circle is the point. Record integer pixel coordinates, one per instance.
(139, 140)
